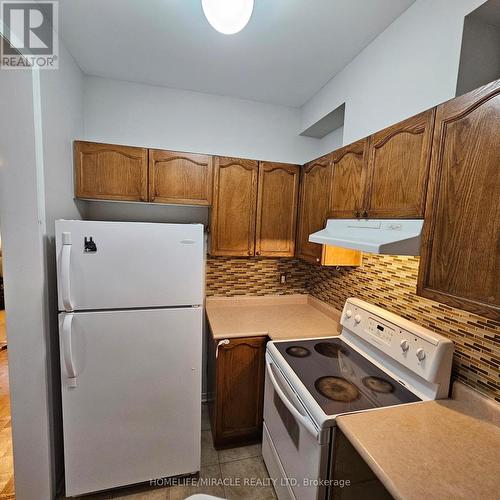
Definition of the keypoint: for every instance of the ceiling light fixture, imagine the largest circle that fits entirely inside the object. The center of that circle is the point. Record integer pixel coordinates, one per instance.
(228, 16)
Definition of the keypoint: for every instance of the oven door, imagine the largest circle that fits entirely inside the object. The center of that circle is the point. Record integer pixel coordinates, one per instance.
(300, 450)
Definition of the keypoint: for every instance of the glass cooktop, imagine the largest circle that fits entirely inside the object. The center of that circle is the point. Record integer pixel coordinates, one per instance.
(339, 378)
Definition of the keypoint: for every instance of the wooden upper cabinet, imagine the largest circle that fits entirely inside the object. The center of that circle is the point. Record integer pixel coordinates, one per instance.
(234, 207)
(460, 255)
(180, 178)
(349, 166)
(398, 168)
(277, 202)
(314, 206)
(110, 172)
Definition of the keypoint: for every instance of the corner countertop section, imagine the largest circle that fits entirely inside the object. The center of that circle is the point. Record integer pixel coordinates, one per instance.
(280, 317)
(434, 449)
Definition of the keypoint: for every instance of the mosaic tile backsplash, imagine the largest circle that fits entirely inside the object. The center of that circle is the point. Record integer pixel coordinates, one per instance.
(386, 281)
(228, 276)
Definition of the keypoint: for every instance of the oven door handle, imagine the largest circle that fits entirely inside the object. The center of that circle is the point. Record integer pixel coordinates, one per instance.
(302, 419)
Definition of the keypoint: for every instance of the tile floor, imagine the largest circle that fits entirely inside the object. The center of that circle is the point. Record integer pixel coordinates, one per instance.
(227, 473)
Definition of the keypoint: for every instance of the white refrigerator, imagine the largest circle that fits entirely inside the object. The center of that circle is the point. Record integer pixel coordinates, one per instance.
(130, 325)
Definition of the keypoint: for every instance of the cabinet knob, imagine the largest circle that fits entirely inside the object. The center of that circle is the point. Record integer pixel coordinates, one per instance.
(317, 259)
(257, 253)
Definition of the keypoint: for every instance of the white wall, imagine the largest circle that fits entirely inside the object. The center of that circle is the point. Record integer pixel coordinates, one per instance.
(22, 218)
(480, 55)
(330, 142)
(41, 114)
(410, 67)
(145, 115)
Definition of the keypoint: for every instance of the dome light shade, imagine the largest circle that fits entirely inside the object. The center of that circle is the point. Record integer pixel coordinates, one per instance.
(228, 16)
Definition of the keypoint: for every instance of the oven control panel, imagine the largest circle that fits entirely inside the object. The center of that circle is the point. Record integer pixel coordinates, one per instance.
(380, 331)
(413, 346)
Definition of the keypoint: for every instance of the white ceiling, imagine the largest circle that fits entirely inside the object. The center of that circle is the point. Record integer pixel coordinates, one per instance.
(288, 51)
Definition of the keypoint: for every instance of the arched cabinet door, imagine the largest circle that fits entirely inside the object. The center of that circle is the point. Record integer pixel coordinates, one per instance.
(234, 207)
(460, 255)
(238, 389)
(180, 178)
(314, 204)
(349, 165)
(398, 168)
(110, 172)
(277, 209)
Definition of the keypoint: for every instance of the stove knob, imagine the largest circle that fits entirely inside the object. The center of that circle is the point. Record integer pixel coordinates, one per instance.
(348, 313)
(420, 354)
(357, 318)
(404, 345)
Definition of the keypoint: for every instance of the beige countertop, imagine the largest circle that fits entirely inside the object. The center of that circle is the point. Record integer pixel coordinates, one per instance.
(279, 316)
(435, 449)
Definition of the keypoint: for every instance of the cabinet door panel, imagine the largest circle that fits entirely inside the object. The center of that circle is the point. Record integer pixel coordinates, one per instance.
(110, 172)
(240, 390)
(180, 178)
(234, 207)
(314, 206)
(349, 179)
(460, 258)
(277, 209)
(398, 168)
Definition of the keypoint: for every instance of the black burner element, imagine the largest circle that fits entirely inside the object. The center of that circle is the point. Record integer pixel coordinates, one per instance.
(377, 384)
(337, 389)
(329, 349)
(298, 352)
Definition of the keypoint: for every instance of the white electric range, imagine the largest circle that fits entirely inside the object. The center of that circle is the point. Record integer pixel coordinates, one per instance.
(378, 360)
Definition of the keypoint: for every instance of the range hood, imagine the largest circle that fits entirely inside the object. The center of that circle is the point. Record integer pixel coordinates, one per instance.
(383, 236)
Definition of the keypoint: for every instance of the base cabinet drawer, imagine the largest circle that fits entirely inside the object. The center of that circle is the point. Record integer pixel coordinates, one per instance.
(236, 384)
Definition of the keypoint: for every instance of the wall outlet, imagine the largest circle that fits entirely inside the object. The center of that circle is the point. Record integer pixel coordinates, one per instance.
(282, 279)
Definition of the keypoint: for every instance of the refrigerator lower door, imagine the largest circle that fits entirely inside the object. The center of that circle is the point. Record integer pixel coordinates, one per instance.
(131, 394)
(127, 265)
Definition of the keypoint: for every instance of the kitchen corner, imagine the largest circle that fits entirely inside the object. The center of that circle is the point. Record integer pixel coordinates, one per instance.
(279, 317)
(244, 263)
(240, 328)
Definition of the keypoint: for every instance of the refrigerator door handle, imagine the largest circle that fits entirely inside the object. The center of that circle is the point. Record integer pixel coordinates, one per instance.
(68, 349)
(65, 272)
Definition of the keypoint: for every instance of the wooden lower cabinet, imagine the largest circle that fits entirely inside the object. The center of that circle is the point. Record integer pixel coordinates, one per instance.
(236, 374)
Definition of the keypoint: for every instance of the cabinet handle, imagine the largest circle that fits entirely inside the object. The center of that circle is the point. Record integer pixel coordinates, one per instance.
(365, 214)
(219, 344)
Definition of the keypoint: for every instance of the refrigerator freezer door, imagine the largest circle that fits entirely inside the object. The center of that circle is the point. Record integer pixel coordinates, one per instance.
(121, 265)
(131, 394)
